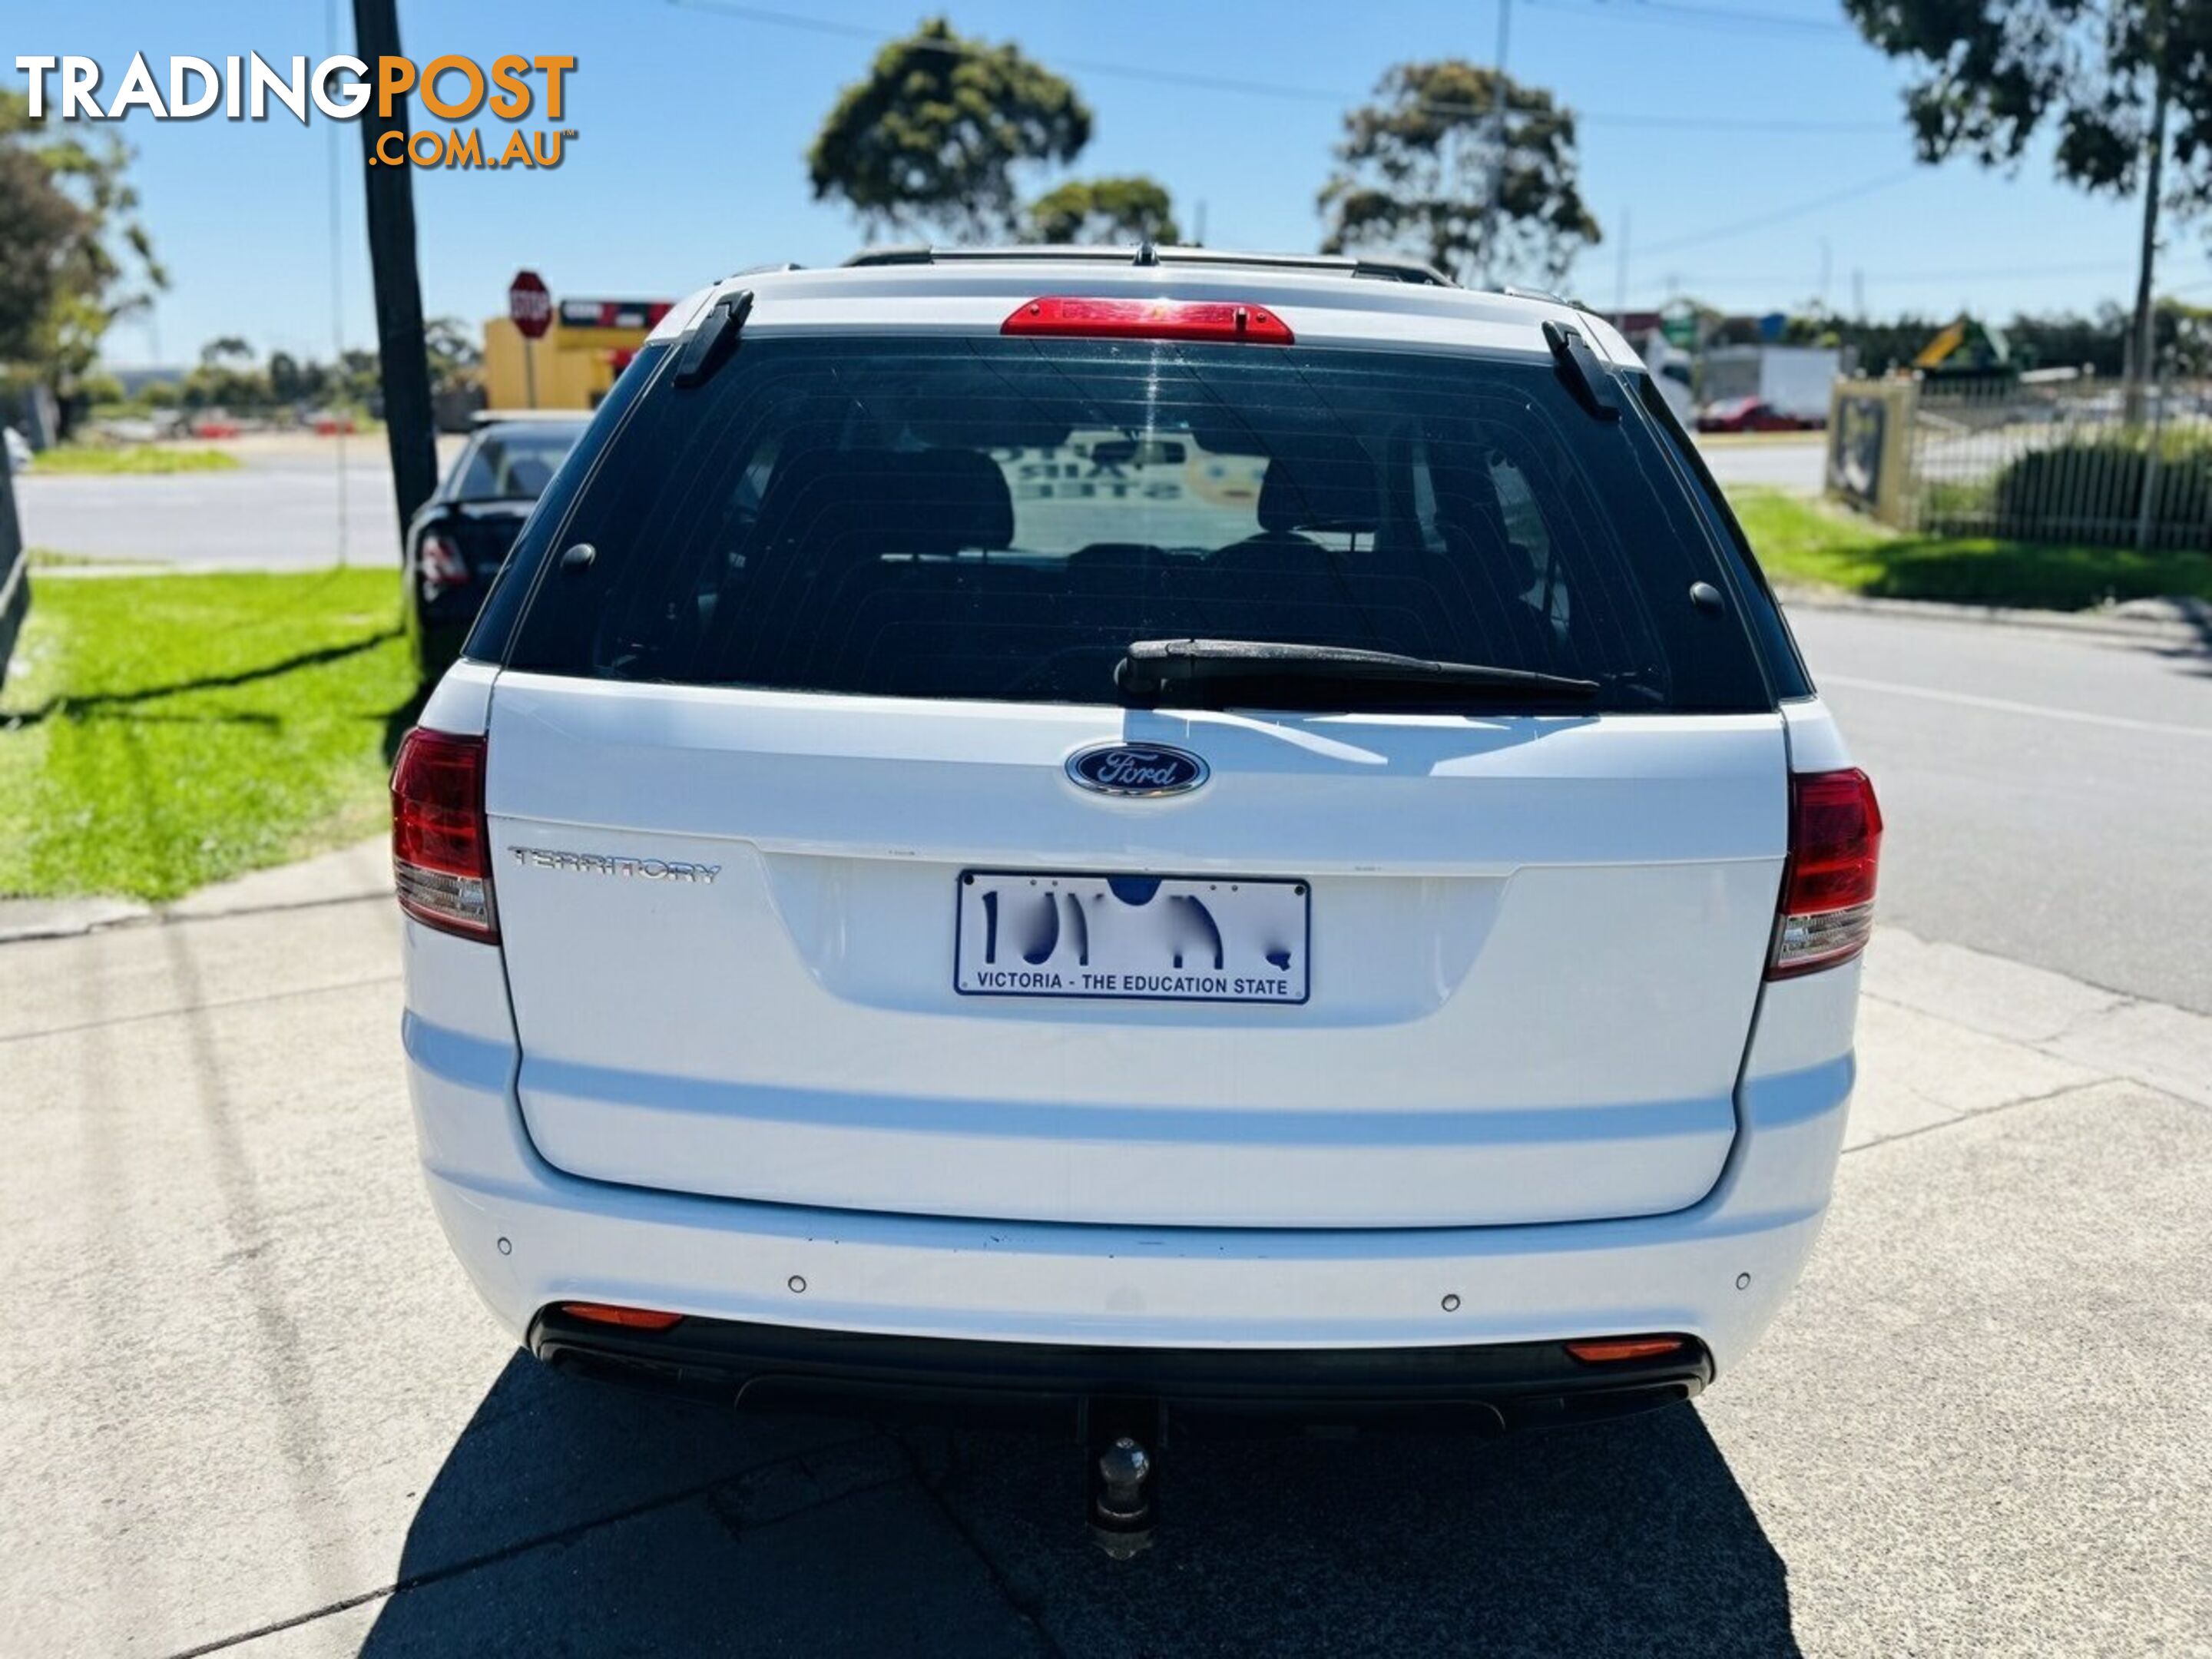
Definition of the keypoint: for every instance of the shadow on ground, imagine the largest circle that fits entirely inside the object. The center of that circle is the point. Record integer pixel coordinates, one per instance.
(571, 1517)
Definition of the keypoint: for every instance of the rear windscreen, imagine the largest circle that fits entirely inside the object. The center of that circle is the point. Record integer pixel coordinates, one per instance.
(514, 464)
(1000, 518)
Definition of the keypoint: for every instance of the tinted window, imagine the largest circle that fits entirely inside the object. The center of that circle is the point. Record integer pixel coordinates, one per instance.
(502, 608)
(1785, 667)
(1000, 519)
(514, 463)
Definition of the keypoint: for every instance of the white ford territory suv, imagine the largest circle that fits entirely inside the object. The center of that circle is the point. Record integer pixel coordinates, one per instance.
(1127, 831)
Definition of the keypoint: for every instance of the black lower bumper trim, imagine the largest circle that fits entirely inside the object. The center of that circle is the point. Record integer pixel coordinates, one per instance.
(1486, 1387)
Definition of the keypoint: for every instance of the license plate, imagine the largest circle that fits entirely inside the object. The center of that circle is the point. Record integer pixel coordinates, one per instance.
(1172, 938)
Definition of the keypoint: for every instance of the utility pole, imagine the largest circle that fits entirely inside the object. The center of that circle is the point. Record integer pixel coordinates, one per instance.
(337, 303)
(403, 359)
(2143, 347)
(1498, 157)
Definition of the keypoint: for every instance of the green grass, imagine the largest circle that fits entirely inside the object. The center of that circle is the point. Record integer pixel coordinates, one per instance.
(160, 733)
(112, 459)
(1810, 541)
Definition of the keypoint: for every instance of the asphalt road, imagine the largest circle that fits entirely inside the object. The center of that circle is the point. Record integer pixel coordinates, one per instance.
(296, 503)
(253, 1405)
(1796, 462)
(2048, 795)
(268, 515)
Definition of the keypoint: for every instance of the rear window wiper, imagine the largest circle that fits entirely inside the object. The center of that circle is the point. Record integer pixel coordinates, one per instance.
(1149, 668)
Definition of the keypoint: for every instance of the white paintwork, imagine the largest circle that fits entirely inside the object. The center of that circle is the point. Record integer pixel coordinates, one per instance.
(1536, 999)
(1816, 742)
(1182, 1286)
(968, 298)
(1537, 945)
(460, 703)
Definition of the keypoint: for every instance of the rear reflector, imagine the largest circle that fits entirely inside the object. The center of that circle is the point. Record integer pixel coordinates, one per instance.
(1608, 1350)
(1149, 320)
(1827, 888)
(635, 1319)
(441, 843)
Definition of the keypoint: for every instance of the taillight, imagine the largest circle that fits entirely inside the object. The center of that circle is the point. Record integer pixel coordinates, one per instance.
(441, 844)
(439, 565)
(1149, 319)
(1827, 888)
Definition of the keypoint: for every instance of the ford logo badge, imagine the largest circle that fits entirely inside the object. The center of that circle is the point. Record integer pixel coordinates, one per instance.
(1137, 769)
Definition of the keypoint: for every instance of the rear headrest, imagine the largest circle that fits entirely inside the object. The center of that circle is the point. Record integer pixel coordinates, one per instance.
(965, 493)
(527, 475)
(872, 502)
(1335, 491)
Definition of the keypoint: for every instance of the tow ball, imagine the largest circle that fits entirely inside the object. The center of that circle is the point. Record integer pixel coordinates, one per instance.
(1123, 1511)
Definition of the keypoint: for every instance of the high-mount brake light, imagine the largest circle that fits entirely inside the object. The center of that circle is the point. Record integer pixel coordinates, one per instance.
(1075, 317)
(440, 843)
(1827, 887)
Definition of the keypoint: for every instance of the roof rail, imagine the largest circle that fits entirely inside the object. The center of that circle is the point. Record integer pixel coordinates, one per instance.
(1391, 270)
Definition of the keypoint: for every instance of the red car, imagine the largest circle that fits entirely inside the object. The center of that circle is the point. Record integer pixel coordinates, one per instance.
(1751, 415)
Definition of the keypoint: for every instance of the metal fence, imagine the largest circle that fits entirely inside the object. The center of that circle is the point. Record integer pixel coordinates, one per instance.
(2062, 463)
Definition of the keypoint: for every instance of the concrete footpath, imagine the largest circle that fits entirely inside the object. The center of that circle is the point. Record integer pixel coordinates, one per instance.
(251, 1405)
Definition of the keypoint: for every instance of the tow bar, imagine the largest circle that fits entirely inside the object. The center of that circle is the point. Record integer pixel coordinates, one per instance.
(1123, 1470)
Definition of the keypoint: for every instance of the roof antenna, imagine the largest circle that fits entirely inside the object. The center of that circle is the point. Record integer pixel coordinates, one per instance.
(1146, 253)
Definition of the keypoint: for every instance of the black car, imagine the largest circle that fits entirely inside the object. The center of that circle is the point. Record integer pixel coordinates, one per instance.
(458, 540)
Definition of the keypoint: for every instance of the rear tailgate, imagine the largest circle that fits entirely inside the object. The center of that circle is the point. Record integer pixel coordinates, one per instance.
(1536, 948)
(841, 613)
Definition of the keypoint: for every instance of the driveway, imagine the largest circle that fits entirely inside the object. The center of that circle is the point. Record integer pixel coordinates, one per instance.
(253, 1406)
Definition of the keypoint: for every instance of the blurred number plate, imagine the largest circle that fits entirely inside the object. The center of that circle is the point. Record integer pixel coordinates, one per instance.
(1153, 938)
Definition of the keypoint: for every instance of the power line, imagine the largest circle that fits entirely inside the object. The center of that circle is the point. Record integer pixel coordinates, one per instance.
(1681, 13)
(2077, 268)
(958, 48)
(1778, 215)
(1276, 89)
(1725, 124)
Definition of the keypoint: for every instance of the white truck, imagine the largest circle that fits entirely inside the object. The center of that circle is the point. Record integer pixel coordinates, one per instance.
(1791, 381)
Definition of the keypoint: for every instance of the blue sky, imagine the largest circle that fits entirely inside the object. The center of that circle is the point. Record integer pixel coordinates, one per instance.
(694, 122)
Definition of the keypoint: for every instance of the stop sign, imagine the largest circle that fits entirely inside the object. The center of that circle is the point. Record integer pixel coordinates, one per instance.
(530, 304)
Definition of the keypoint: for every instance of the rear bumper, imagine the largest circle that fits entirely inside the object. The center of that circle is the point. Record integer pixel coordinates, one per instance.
(1485, 1388)
(529, 1236)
